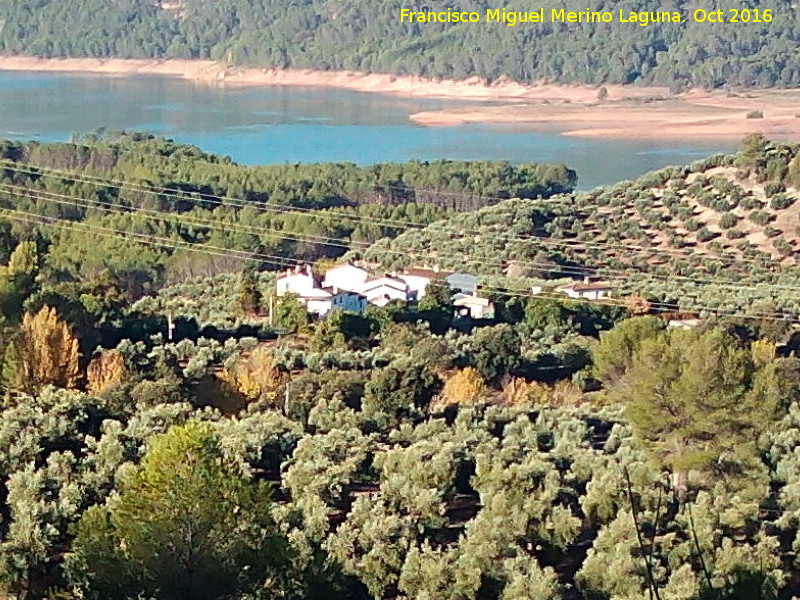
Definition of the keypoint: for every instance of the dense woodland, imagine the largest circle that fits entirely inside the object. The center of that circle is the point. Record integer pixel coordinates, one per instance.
(561, 450)
(368, 36)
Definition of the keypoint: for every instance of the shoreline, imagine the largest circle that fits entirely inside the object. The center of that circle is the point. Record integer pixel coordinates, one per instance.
(209, 71)
(609, 111)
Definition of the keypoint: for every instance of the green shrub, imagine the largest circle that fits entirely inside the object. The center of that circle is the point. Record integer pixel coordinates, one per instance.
(782, 246)
(780, 201)
(728, 220)
(692, 224)
(750, 203)
(734, 234)
(773, 187)
(760, 217)
(705, 235)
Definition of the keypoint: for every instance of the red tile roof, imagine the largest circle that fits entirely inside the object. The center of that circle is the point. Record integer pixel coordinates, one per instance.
(587, 287)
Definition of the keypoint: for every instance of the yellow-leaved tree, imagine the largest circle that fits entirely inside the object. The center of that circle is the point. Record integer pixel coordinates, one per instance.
(45, 352)
(518, 392)
(105, 370)
(255, 375)
(465, 387)
(763, 352)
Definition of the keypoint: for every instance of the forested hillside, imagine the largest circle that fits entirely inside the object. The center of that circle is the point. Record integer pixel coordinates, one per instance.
(719, 234)
(101, 196)
(172, 430)
(369, 458)
(368, 36)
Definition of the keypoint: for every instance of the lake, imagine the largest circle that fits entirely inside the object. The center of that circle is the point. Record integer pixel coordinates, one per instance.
(275, 125)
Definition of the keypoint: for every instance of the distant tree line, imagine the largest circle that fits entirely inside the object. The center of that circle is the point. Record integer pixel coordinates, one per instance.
(161, 163)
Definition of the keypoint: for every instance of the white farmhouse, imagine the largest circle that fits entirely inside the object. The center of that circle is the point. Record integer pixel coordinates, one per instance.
(318, 302)
(302, 282)
(589, 291)
(418, 280)
(299, 280)
(683, 323)
(473, 306)
(345, 277)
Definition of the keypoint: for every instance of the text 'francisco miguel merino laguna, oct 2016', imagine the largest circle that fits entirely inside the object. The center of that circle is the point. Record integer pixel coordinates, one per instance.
(562, 15)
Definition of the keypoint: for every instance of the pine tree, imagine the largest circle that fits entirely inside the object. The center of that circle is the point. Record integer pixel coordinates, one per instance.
(184, 527)
(698, 400)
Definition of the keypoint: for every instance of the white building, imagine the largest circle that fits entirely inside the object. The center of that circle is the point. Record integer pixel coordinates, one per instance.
(418, 280)
(345, 277)
(683, 323)
(299, 280)
(382, 290)
(319, 303)
(474, 307)
(302, 282)
(348, 287)
(590, 291)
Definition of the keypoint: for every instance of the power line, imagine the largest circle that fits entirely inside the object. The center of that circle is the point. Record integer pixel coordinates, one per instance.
(144, 237)
(147, 239)
(391, 223)
(217, 225)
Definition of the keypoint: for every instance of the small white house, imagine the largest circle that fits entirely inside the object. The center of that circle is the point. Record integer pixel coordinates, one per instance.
(345, 277)
(418, 280)
(318, 305)
(299, 280)
(683, 323)
(473, 306)
(590, 291)
(349, 301)
(382, 290)
(302, 282)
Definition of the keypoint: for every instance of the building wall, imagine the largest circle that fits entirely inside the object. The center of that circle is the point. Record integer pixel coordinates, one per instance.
(383, 294)
(320, 307)
(300, 284)
(346, 277)
(416, 285)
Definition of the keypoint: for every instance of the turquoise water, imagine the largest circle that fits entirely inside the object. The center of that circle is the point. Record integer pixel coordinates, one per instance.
(275, 125)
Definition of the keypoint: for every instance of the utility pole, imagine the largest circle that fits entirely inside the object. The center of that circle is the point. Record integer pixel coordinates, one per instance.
(271, 309)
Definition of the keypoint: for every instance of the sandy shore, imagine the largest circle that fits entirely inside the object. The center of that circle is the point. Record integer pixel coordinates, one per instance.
(696, 114)
(618, 112)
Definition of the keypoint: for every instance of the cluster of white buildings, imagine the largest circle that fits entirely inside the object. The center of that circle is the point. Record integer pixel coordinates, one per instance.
(351, 288)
